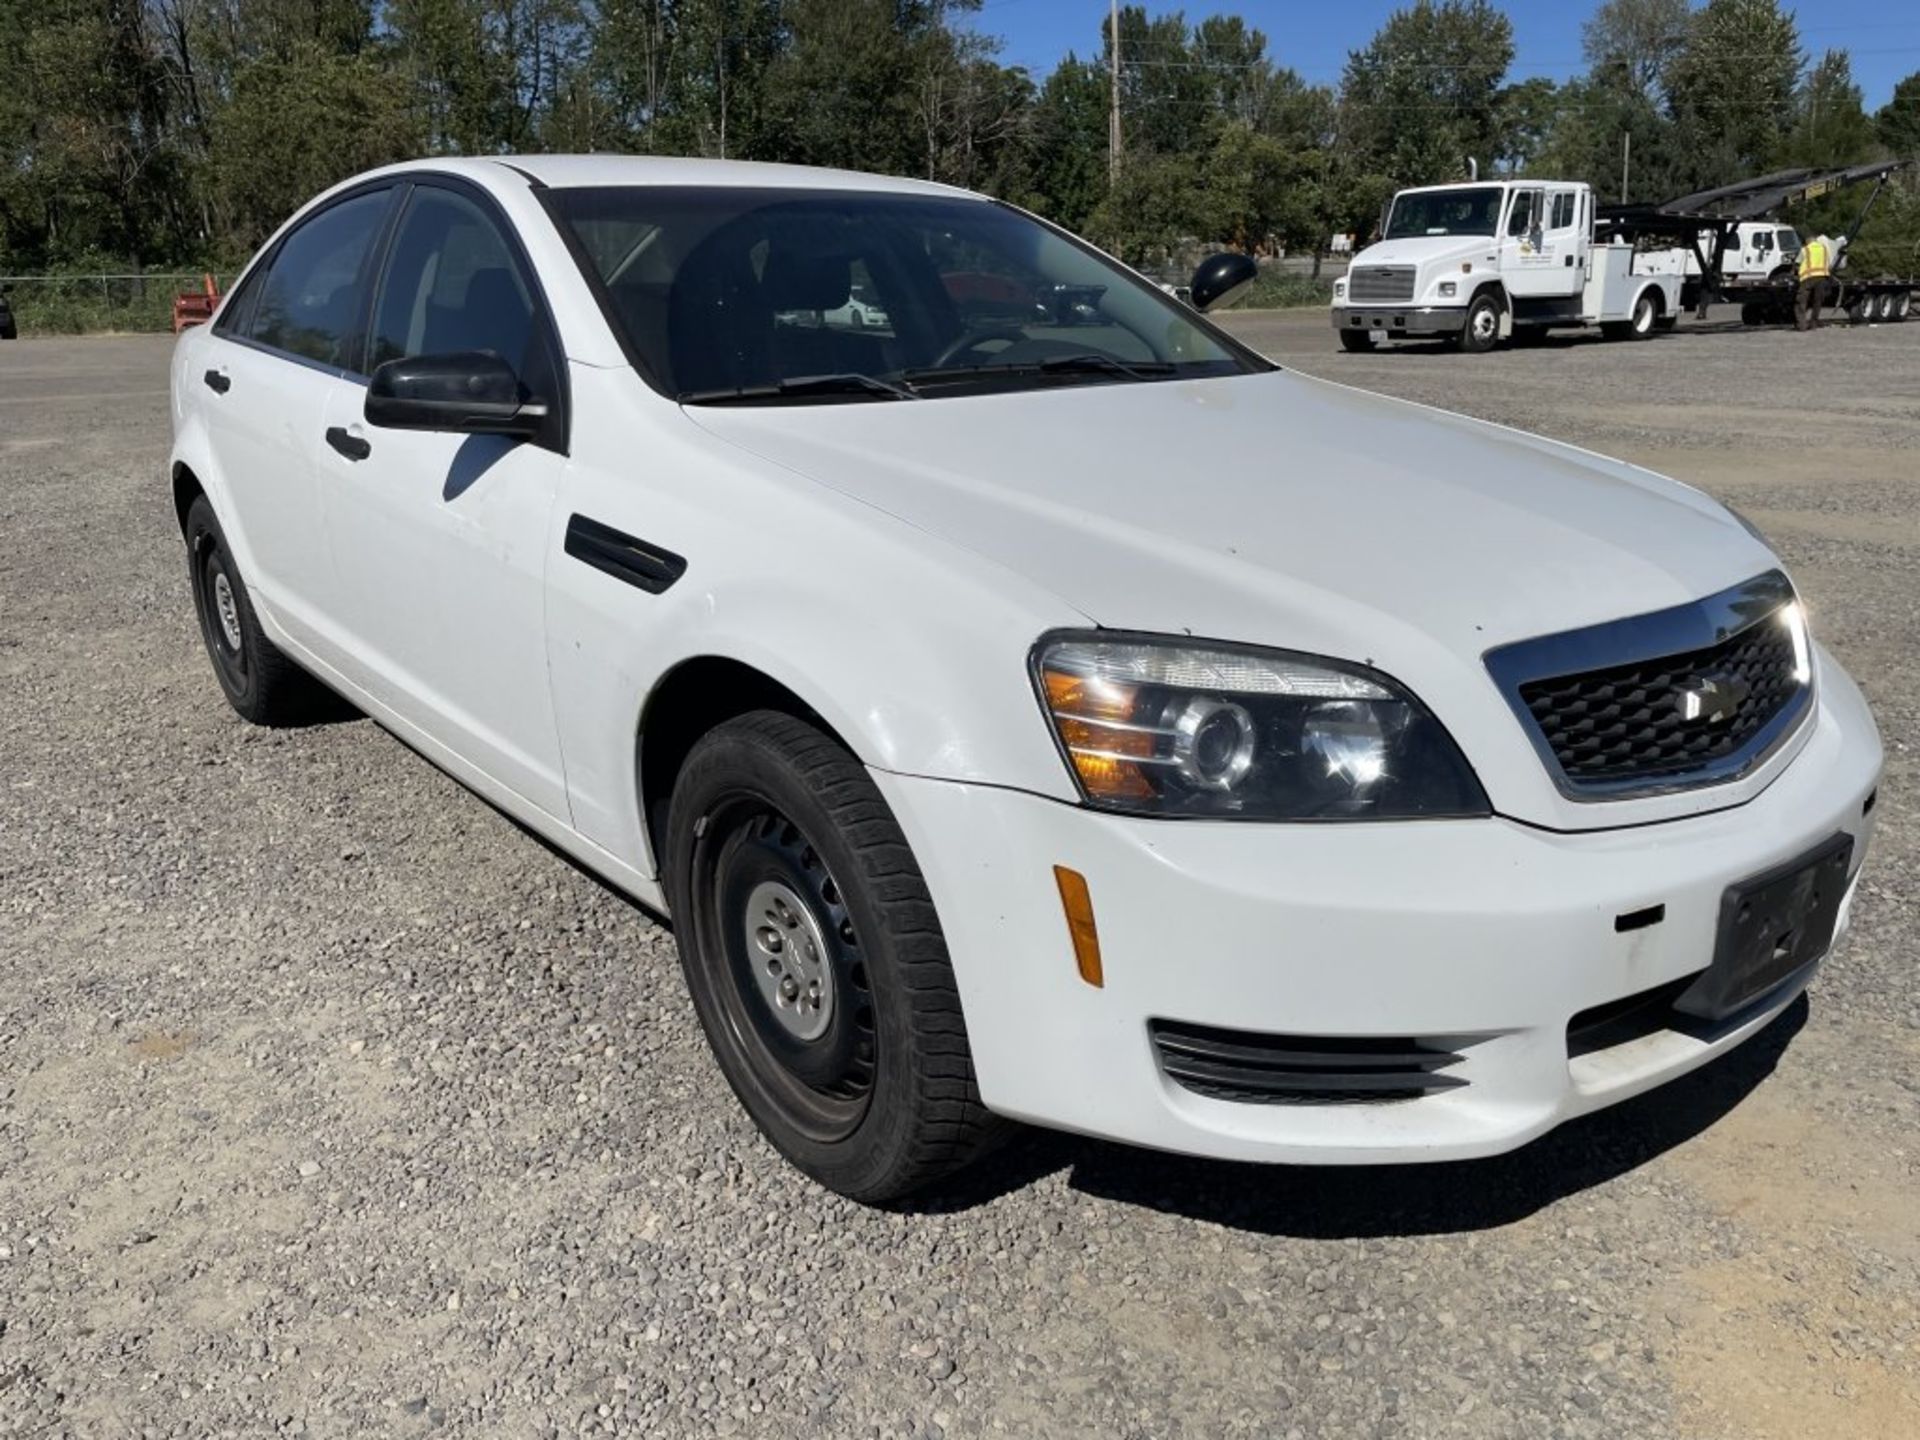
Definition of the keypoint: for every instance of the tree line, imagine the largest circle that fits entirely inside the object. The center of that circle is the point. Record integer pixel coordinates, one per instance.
(151, 133)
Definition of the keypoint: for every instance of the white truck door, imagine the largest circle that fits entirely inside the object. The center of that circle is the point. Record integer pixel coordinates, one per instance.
(1527, 267)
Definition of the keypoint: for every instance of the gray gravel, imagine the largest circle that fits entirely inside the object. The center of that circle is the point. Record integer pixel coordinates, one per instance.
(331, 1103)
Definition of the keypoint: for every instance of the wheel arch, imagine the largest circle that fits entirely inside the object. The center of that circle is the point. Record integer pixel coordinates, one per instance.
(186, 489)
(686, 703)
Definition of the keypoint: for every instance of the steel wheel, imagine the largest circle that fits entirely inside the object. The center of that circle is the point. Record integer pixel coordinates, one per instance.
(798, 1004)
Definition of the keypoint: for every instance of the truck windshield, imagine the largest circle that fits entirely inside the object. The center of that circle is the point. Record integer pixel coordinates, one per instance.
(738, 295)
(1469, 210)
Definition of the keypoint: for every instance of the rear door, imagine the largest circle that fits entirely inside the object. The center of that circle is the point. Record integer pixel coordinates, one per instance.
(439, 541)
(283, 347)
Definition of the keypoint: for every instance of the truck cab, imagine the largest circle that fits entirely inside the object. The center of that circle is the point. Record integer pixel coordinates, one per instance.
(1484, 261)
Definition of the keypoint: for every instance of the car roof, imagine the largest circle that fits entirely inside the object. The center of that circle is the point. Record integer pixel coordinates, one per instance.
(563, 172)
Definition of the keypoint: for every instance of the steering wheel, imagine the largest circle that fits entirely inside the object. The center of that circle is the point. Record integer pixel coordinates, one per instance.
(971, 340)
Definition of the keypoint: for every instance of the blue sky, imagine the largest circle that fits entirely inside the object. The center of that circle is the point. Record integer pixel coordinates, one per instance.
(1314, 36)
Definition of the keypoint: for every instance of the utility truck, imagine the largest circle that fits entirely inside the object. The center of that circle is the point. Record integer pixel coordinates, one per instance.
(1486, 261)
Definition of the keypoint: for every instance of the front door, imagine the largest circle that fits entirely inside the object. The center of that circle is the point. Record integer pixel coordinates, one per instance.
(438, 541)
(1534, 253)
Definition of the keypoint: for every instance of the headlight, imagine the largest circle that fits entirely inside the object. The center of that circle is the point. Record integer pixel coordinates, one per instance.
(1161, 726)
(1339, 288)
(1447, 287)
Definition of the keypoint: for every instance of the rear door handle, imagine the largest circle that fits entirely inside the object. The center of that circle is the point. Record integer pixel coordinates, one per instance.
(351, 446)
(217, 382)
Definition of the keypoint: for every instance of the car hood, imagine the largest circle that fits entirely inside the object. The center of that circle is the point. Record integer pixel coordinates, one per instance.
(1423, 250)
(1280, 510)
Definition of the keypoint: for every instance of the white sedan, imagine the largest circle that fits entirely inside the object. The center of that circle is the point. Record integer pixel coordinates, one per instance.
(1043, 708)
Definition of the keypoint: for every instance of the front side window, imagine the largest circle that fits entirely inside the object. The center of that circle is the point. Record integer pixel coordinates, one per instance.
(312, 299)
(1467, 210)
(1525, 215)
(452, 285)
(805, 296)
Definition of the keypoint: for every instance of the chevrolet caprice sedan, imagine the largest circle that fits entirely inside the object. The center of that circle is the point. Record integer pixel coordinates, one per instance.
(1031, 705)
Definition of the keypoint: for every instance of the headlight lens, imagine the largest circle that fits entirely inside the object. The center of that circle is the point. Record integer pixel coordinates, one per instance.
(1161, 726)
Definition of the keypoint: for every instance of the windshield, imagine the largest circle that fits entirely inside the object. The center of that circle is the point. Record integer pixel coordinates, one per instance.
(1470, 210)
(1789, 242)
(806, 296)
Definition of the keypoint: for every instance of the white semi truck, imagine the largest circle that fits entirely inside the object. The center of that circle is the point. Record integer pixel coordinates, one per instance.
(1486, 261)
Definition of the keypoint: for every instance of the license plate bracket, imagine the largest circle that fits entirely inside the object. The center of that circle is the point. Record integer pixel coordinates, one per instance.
(1771, 926)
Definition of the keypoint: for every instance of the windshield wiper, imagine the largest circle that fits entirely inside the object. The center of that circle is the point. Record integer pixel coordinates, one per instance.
(842, 383)
(1087, 364)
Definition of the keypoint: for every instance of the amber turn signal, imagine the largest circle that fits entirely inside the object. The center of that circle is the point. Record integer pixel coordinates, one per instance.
(1078, 904)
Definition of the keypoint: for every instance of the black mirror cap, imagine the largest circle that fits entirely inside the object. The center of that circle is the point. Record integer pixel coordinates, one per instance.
(1222, 279)
(472, 392)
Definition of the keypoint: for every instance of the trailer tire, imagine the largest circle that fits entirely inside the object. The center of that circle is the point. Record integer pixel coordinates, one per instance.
(1482, 330)
(1902, 303)
(1883, 307)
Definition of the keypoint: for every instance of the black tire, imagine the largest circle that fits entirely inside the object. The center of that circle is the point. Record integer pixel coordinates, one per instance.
(1646, 310)
(1357, 342)
(1666, 322)
(259, 681)
(1902, 303)
(1755, 313)
(1482, 330)
(779, 845)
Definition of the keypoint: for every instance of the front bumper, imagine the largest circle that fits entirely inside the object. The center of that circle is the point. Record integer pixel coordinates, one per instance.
(1418, 322)
(1488, 936)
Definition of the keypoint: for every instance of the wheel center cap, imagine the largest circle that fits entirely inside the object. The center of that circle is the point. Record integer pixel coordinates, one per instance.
(229, 613)
(788, 955)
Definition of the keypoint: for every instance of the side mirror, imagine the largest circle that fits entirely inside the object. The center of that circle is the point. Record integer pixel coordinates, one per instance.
(1222, 279)
(472, 392)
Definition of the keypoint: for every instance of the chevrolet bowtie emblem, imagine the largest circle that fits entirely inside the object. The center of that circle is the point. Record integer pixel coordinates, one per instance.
(1712, 699)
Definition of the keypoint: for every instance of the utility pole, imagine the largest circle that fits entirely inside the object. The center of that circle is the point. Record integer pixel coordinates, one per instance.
(1113, 114)
(1626, 163)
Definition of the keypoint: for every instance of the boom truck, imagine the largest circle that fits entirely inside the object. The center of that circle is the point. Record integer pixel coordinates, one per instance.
(1493, 260)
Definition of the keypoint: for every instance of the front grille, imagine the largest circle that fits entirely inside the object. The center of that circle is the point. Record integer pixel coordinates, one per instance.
(1262, 1069)
(1632, 722)
(1380, 284)
(1679, 698)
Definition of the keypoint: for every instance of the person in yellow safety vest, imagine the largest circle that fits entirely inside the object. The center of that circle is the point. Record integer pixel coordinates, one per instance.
(1816, 270)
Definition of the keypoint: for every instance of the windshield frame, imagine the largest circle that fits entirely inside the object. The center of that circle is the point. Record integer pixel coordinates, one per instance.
(1504, 193)
(1252, 362)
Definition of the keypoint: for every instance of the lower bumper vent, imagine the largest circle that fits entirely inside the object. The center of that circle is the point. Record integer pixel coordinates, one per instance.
(1260, 1069)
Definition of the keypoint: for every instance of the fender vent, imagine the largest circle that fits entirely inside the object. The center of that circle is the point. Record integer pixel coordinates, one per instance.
(1260, 1069)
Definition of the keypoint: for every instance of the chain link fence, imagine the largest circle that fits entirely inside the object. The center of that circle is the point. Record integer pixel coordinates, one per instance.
(83, 304)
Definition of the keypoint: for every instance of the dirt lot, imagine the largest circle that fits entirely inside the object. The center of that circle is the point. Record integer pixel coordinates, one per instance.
(331, 1103)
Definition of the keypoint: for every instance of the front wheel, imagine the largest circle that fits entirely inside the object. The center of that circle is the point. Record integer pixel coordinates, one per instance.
(1482, 330)
(1357, 342)
(816, 962)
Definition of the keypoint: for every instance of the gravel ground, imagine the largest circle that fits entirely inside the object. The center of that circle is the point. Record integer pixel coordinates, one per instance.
(333, 1104)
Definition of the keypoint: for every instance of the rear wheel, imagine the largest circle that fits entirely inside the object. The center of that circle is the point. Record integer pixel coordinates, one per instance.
(1883, 306)
(1902, 303)
(259, 681)
(1639, 325)
(1482, 330)
(1358, 342)
(816, 962)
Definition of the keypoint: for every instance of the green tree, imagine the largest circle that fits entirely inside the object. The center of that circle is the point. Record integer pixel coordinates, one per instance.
(1831, 128)
(1424, 96)
(1732, 90)
(1898, 121)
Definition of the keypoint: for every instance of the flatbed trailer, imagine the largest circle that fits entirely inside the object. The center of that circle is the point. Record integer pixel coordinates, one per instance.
(1765, 300)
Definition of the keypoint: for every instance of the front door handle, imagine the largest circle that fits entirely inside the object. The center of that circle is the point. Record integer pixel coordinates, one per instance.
(351, 446)
(217, 382)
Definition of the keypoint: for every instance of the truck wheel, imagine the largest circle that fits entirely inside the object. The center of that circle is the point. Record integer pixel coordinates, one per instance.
(1482, 330)
(1883, 307)
(1640, 325)
(816, 961)
(1754, 313)
(260, 682)
(1357, 342)
(1902, 303)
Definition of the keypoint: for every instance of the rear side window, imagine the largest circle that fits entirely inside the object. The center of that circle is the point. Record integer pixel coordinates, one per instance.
(453, 284)
(313, 297)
